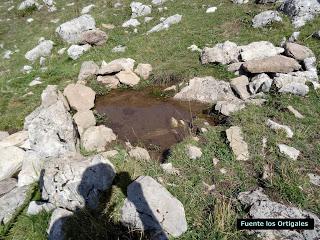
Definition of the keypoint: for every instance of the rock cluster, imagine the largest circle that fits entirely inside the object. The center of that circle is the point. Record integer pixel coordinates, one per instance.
(114, 73)
(260, 206)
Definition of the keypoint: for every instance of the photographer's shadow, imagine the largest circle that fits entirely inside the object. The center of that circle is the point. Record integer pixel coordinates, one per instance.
(96, 221)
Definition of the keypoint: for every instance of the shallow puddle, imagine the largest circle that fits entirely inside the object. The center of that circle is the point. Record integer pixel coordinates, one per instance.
(144, 120)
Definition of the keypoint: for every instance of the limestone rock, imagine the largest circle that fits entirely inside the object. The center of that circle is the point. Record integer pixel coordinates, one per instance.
(42, 50)
(174, 19)
(314, 179)
(7, 185)
(261, 207)
(12, 202)
(110, 81)
(10, 161)
(138, 9)
(57, 220)
(87, 9)
(275, 64)
(295, 112)
(75, 51)
(239, 85)
(289, 151)
(31, 168)
(143, 70)
(297, 51)
(50, 128)
(16, 139)
(206, 90)
(71, 31)
(265, 18)
(168, 168)
(126, 63)
(73, 181)
(131, 23)
(230, 106)
(139, 153)
(194, 152)
(224, 53)
(28, 4)
(93, 37)
(259, 50)
(262, 82)
(36, 207)
(149, 206)
(97, 137)
(276, 126)
(287, 83)
(128, 77)
(88, 69)
(300, 11)
(237, 143)
(84, 120)
(80, 97)
(110, 68)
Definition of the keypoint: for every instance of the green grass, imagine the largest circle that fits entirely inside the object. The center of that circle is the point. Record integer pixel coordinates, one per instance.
(209, 216)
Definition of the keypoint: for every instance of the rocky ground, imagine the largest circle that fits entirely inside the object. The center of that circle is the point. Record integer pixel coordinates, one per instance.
(65, 174)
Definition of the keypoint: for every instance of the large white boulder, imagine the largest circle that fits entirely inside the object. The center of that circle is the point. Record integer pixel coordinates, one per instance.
(73, 181)
(149, 206)
(71, 31)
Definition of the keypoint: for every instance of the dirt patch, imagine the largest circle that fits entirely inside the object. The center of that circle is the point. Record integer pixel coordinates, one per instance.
(145, 120)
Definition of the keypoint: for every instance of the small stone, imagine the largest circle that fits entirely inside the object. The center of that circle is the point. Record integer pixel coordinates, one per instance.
(79, 96)
(128, 77)
(110, 81)
(295, 112)
(194, 48)
(175, 19)
(237, 143)
(215, 161)
(88, 69)
(131, 23)
(96, 138)
(139, 153)
(314, 179)
(84, 119)
(61, 51)
(223, 170)
(42, 50)
(147, 19)
(265, 18)
(168, 168)
(240, 84)
(143, 70)
(36, 81)
(108, 26)
(211, 9)
(93, 37)
(138, 9)
(174, 122)
(289, 151)
(119, 48)
(224, 53)
(194, 152)
(276, 126)
(87, 9)
(75, 51)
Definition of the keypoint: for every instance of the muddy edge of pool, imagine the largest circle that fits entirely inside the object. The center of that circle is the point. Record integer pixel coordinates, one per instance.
(145, 120)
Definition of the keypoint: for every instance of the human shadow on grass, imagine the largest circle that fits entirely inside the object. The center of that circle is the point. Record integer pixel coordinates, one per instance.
(95, 220)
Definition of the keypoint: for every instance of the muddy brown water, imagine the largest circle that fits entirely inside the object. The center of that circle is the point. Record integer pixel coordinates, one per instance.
(144, 120)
